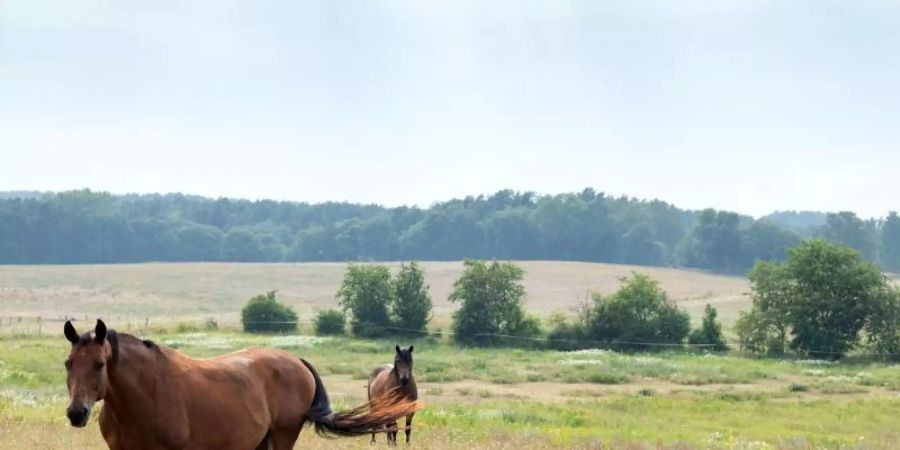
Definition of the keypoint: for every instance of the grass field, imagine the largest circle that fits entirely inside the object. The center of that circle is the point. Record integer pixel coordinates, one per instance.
(475, 399)
(500, 398)
(132, 292)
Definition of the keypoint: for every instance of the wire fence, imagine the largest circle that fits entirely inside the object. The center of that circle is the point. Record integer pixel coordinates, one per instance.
(39, 326)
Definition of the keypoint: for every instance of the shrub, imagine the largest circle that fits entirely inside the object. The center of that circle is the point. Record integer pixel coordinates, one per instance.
(637, 315)
(330, 322)
(565, 334)
(709, 335)
(263, 314)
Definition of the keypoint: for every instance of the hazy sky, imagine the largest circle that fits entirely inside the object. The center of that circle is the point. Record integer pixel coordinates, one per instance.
(750, 106)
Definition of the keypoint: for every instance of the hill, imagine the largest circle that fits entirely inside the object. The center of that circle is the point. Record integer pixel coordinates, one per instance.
(177, 291)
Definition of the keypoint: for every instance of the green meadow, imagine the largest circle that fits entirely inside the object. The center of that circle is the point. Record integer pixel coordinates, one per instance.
(513, 398)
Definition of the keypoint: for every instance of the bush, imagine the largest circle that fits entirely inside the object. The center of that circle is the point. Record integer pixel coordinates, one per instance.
(709, 335)
(366, 293)
(565, 334)
(411, 304)
(330, 322)
(263, 314)
(761, 333)
(491, 297)
(637, 315)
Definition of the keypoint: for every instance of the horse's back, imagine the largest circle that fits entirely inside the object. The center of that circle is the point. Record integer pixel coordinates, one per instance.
(378, 380)
(268, 385)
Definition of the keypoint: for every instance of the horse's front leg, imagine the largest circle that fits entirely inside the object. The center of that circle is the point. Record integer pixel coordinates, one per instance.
(409, 419)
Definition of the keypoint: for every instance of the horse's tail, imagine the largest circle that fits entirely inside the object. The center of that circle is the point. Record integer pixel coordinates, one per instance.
(370, 417)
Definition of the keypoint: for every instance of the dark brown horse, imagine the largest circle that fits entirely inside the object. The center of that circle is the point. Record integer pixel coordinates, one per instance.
(155, 397)
(397, 382)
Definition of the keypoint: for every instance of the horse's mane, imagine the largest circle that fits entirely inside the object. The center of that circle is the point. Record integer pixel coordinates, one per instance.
(114, 339)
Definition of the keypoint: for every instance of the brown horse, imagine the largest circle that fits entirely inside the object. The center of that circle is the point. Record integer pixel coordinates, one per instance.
(155, 397)
(395, 381)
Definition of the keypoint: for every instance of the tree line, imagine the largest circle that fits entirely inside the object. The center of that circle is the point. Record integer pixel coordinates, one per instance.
(96, 227)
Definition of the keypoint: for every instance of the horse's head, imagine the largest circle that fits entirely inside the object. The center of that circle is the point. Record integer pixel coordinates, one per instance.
(403, 363)
(86, 365)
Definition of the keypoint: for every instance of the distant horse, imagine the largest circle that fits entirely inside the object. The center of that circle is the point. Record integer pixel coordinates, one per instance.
(158, 398)
(395, 381)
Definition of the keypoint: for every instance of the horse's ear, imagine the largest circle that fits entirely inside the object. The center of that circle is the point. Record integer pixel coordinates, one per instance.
(71, 334)
(410, 348)
(100, 332)
(398, 348)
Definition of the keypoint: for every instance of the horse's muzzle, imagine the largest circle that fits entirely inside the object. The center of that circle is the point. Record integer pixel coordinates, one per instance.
(78, 416)
(404, 381)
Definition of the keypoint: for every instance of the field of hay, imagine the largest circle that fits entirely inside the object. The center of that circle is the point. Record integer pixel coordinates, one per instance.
(133, 292)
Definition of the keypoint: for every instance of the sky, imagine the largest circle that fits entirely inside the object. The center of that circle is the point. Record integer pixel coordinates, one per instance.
(749, 106)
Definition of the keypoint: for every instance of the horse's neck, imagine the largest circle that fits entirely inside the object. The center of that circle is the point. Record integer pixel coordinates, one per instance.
(411, 388)
(133, 382)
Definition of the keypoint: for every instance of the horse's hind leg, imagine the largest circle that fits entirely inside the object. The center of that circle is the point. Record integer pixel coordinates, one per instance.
(266, 443)
(392, 434)
(284, 438)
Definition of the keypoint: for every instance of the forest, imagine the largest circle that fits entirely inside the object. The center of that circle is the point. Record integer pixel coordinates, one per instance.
(85, 226)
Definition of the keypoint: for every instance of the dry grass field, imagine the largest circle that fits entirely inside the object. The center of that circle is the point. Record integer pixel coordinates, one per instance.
(131, 292)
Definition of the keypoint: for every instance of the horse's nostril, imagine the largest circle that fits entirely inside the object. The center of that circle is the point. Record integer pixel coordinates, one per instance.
(404, 381)
(77, 416)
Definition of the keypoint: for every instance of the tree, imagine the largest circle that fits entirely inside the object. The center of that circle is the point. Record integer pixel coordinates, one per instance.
(883, 327)
(640, 248)
(491, 302)
(763, 241)
(709, 334)
(241, 245)
(315, 243)
(411, 304)
(890, 242)
(637, 315)
(848, 229)
(444, 234)
(330, 322)
(821, 297)
(511, 234)
(365, 293)
(264, 314)
(199, 243)
(765, 328)
(714, 243)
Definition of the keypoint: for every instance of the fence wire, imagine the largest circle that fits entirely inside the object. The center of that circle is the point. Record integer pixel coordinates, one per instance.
(599, 344)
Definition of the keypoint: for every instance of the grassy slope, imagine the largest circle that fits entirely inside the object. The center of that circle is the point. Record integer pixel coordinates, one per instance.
(131, 292)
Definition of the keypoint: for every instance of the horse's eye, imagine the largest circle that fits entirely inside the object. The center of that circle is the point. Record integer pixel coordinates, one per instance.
(98, 366)
(68, 364)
